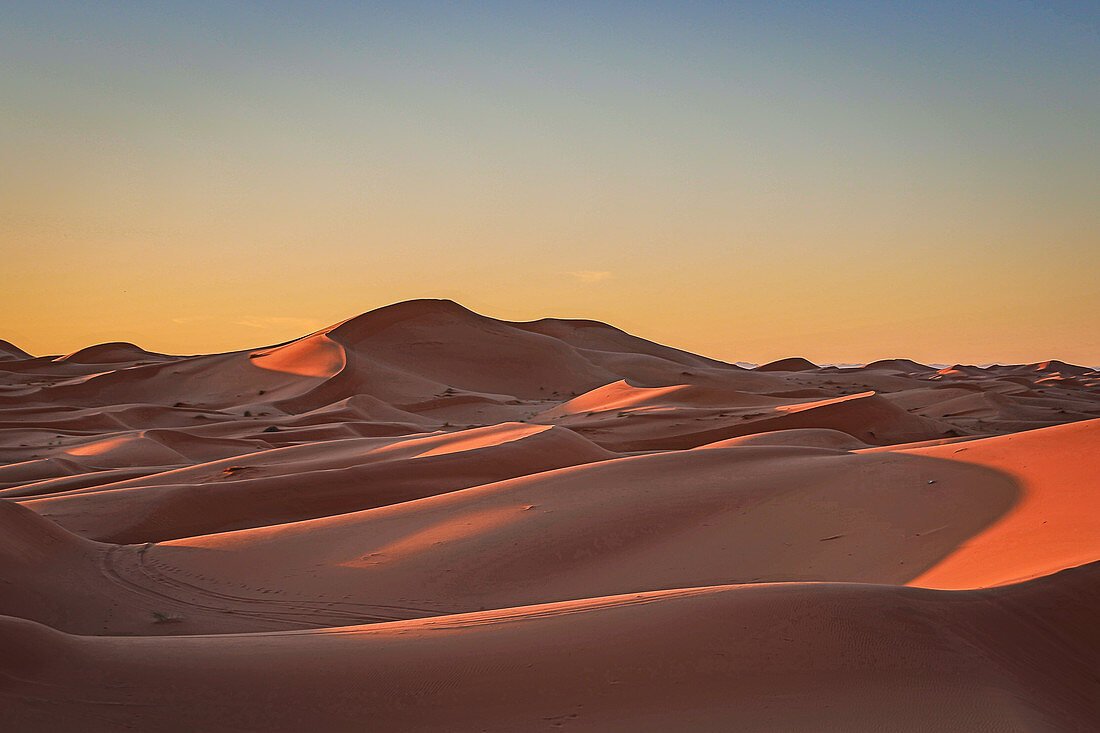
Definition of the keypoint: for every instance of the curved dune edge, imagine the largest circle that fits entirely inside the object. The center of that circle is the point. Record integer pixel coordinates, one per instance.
(763, 657)
(301, 482)
(1054, 523)
(734, 514)
(423, 518)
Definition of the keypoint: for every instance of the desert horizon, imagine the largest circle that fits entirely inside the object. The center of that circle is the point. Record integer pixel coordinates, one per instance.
(11, 350)
(493, 367)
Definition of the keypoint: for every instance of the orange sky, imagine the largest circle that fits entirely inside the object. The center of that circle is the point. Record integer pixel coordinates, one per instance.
(746, 184)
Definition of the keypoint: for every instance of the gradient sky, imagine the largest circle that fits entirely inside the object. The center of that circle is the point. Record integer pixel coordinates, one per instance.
(843, 181)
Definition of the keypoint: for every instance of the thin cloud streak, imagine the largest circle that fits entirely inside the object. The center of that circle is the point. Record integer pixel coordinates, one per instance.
(261, 322)
(591, 276)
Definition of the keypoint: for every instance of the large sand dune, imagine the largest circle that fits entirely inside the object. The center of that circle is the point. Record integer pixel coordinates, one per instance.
(426, 519)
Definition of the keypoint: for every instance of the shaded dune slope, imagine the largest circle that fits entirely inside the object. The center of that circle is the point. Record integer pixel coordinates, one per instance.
(306, 481)
(719, 515)
(751, 657)
(423, 518)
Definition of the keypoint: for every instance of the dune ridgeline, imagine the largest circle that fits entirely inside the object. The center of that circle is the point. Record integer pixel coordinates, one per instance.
(427, 519)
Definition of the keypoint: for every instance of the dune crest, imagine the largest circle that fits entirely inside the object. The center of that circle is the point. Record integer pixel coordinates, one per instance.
(430, 519)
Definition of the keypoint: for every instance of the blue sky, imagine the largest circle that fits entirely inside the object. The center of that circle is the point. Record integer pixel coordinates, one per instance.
(753, 179)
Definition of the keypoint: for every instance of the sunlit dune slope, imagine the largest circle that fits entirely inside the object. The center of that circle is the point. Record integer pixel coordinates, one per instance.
(306, 481)
(423, 518)
(1054, 522)
(718, 515)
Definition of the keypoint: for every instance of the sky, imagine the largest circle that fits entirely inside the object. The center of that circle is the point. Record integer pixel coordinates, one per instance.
(843, 181)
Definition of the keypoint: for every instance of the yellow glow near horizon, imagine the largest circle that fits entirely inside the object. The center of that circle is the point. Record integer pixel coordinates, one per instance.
(743, 184)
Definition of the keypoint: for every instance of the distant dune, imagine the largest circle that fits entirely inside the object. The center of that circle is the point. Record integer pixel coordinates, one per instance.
(423, 518)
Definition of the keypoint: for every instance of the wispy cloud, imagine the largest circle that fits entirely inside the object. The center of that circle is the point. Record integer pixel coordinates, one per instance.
(301, 324)
(262, 322)
(183, 320)
(591, 276)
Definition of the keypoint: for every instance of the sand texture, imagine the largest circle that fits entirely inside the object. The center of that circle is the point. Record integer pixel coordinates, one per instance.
(427, 519)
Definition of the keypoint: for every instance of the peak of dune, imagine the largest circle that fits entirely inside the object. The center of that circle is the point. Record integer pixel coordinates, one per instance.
(408, 310)
(1060, 367)
(962, 370)
(9, 351)
(900, 365)
(411, 353)
(585, 334)
(373, 321)
(114, 352)
(792, 364)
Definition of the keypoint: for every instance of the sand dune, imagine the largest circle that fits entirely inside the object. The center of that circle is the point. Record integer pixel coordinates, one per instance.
(792, 364)
(9, 350)
(423, 518)
(905, 366)
(1053, 523)
(761, 658)
(675, 426)
(302, 482)
(118, 352)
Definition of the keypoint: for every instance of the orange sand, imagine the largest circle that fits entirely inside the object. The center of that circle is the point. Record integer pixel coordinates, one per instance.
(426, 519)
